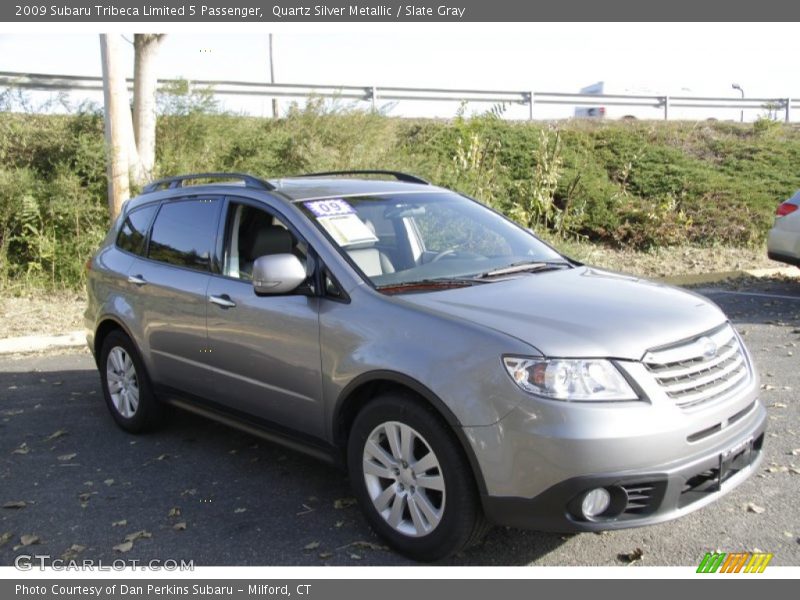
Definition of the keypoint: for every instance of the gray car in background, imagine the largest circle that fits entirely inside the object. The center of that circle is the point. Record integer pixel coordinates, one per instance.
(463, 372)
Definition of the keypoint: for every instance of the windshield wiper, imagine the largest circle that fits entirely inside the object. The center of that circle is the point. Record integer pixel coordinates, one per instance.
(443, 282)
(456, 282)
(523, 267)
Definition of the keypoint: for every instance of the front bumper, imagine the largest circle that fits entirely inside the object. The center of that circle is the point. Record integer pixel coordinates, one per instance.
(642, 496)
(784, 258)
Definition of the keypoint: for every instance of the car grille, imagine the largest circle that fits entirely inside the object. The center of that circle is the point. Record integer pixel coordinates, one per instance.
(700, 370)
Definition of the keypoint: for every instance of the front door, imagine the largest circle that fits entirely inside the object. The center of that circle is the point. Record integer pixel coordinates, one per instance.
(264, 350)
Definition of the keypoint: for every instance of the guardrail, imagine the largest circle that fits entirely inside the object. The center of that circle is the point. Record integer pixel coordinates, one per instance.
(372, 94)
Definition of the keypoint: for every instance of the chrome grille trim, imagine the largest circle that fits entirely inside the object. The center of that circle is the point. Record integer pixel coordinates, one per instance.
(710, 393)
(690, 350)
(701, 378)
(690, 376)
(730, 349)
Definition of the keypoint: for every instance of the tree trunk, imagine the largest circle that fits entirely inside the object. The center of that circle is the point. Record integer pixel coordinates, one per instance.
(145, 83)
(115, 96)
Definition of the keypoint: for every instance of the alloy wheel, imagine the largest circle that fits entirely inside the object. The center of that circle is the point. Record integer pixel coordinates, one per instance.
(123, 383)
(404, 479)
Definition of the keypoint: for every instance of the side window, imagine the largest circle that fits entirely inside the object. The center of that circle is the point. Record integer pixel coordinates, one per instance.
(134, 229)
(331, 287)
(184, 233)
(251, 233)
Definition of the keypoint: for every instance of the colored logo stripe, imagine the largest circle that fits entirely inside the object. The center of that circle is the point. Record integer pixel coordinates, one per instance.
(758, 563)
(735, 562)
(711, 562)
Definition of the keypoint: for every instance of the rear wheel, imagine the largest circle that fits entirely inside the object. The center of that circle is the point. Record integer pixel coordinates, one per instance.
(126, 386)
(411, 479)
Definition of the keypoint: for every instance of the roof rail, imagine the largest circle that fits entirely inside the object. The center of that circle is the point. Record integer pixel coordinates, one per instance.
(399, 175)
(178, 181)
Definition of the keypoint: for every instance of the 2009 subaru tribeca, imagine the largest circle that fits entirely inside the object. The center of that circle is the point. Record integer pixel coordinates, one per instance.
(462, 370)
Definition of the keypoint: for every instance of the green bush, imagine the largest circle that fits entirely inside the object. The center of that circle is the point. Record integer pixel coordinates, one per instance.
(626, 184)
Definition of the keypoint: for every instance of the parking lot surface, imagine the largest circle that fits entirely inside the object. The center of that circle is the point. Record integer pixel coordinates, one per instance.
(76, 486)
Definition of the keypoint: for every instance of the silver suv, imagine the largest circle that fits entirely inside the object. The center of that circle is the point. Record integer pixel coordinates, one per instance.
(463, 371)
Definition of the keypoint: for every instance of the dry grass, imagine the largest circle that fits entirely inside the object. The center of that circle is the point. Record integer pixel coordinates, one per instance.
(41, 314)
(667, 262)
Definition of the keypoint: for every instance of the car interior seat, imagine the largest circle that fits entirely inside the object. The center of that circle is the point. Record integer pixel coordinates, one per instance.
(268, 239)
(370, 259)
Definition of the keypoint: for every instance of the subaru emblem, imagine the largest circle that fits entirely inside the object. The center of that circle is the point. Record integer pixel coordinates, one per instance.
(708, 347)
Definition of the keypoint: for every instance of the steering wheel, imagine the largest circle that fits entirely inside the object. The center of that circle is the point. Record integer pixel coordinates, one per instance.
(446, 252)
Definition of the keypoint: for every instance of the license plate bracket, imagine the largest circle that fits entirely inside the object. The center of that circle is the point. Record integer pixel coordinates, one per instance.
(734, 459)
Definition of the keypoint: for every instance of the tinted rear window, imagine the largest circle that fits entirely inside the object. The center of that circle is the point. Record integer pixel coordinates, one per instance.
(184, 233)
(134, 229)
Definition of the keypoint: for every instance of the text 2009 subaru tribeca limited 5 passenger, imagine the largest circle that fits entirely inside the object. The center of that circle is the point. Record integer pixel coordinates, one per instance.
(464, 372)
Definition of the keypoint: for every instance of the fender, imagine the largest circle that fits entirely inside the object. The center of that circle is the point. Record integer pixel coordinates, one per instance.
(420, 389)
(102, 320)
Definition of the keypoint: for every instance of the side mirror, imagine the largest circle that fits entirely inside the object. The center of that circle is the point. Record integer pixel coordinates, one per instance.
(277, 274)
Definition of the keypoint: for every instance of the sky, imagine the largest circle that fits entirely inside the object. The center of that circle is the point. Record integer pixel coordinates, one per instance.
(690, 59)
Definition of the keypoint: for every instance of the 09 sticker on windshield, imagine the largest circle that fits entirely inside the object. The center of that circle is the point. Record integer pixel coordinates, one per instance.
(341, 222)
(329, 208)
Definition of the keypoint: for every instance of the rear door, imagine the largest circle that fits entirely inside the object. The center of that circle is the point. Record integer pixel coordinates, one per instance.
(264, 349)
(168, 287)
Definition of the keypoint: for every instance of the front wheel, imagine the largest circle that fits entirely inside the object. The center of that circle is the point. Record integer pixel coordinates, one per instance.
(412, 480)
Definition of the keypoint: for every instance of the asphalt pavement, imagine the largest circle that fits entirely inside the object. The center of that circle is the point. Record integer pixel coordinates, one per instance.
(75, 486)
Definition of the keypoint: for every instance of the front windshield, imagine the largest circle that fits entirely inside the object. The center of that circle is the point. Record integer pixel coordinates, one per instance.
(403, 239)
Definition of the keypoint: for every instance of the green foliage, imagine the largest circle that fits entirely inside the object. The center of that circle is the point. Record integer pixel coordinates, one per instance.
(52, 198)
(540, 201)
(646, 225)
(476, 167)
(767, 124)
(626, 184)
(181, 98)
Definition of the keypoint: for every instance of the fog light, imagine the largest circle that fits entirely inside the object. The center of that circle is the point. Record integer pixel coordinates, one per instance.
(595, 502)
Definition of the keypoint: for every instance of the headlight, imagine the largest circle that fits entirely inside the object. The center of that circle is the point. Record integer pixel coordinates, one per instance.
(569, 379)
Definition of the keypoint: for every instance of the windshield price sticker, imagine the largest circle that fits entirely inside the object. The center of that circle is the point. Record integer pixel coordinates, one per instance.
(341, 221)
(329, 208)
(348, 230)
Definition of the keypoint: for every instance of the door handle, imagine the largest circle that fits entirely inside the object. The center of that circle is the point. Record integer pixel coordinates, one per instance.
(224, 301)
(137, 280)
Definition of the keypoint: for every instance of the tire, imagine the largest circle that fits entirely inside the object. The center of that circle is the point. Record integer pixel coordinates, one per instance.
(439, 512)
(129, 396)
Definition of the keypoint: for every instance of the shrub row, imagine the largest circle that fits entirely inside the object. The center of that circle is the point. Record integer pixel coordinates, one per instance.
(626, 184)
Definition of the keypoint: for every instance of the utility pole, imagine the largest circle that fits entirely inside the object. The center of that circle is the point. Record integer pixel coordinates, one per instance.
(115, 96)
(272, 79)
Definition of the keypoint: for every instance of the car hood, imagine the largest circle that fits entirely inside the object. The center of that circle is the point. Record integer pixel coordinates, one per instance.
(579, 312)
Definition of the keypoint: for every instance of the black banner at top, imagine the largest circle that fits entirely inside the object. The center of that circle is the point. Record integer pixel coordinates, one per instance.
(244, 11)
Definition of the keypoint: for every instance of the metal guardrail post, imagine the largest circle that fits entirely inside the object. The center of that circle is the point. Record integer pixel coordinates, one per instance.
(666, 108)
(374, 98)
(788, 110)
(531, 100)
